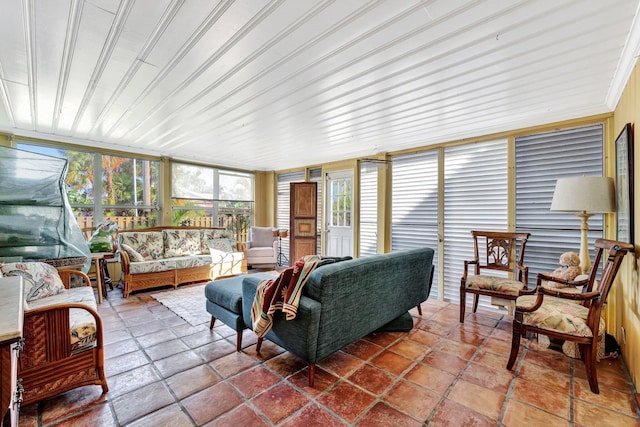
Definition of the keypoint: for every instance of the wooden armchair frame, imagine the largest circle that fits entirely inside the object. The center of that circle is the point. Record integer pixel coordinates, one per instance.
(503, 251)
(47, 364)
(593, 298)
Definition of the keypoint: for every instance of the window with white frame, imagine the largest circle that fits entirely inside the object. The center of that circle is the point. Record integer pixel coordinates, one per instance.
(203, 196)
(128, 186)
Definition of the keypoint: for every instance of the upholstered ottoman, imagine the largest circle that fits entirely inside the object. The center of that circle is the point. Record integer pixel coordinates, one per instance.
(224, 302)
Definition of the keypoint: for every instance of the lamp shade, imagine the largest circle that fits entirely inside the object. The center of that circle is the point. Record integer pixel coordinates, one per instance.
(593, 194)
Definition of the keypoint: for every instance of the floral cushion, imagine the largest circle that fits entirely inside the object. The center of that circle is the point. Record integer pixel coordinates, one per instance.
(149, 244)
(82, 324)
(181, 242)
(205, 235)
(151, 266)
(492, 283)
(221, 245)
(191, 261)
(40, 280)
(557, 314)
(134, 255)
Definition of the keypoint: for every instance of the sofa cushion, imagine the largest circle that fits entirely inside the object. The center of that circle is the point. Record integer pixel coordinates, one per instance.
(261, 237)
(260, 252)
(152, 266)
(208, 234)
(40, 280)
(134, 255)
(149, 244)
(82, 324)
(181, 242)
(221, 245)
(191, 261)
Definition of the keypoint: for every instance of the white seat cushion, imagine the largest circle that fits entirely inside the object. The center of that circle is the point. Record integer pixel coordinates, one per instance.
(82, 323)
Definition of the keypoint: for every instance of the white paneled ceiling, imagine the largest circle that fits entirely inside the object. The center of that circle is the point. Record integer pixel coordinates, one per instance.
(269, 85)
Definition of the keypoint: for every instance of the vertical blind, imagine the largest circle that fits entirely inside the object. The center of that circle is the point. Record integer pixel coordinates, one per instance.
(315, 175)
(282, 202)
(414, 212)
(540, 160)
(475, 198)
(368, 208)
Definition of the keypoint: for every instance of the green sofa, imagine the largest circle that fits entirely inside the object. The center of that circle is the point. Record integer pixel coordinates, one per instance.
(345, 301)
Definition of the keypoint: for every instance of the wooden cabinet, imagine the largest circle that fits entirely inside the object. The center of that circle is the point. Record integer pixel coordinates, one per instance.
(11, 318)
(303, 221)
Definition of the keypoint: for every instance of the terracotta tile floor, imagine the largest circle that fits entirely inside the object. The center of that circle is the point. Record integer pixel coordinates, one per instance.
(164, 372)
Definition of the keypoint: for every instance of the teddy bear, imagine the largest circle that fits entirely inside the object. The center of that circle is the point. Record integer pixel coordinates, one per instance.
(569, 269)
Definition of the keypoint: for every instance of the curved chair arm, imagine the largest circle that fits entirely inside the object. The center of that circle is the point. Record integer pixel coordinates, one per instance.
(557, 293)
(65, 276)
(466, 267)
(67, 306)
(124, 262)
(546, 277)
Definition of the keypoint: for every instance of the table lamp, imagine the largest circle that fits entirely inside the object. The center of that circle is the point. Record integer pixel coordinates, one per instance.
(586, 196)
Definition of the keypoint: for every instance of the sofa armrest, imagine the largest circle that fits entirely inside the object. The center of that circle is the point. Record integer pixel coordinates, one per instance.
(242, 247)
(125, 262)
(275, 246)
(300, 335)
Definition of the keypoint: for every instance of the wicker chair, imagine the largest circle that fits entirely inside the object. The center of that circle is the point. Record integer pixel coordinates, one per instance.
(49, 362)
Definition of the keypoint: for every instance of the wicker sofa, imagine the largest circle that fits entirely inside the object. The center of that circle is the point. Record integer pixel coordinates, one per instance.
(63, 343)
(170, 255)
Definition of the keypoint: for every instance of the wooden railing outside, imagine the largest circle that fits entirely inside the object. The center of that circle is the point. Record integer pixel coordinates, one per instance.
(238, 223)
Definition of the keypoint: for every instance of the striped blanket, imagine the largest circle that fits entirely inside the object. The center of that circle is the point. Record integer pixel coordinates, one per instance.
(282, 293)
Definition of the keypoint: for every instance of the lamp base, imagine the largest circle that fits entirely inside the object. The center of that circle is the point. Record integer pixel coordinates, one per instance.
(585, 260)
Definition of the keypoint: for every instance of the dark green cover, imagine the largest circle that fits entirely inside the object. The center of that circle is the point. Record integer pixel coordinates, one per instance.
(345, 301)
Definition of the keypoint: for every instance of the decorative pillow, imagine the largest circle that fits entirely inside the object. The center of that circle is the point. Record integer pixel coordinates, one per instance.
(181, 243)
(222, 245)
(149, 244)
(225, 234)
(133, 254)
(40, 280)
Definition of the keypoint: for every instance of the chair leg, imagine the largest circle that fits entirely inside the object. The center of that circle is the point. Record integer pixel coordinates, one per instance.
(312, 373)
(515, 342)
(475, 302)
(239, 341)
(258, 345)
(419, 309)
(588, 353)
(213, 320)
(463, 302)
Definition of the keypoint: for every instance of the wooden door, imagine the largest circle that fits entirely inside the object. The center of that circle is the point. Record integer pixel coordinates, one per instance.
(302, 220)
